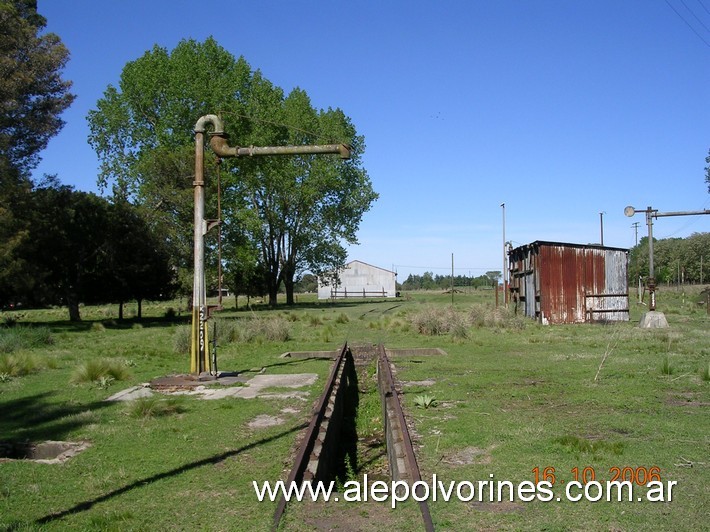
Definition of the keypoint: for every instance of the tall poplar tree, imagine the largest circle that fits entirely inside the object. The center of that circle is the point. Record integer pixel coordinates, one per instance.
(296, 211)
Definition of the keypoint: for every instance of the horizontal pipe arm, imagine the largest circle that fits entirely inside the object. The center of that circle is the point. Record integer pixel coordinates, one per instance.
(219, 145)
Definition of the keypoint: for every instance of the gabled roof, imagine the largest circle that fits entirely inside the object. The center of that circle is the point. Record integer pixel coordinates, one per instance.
(369, 265)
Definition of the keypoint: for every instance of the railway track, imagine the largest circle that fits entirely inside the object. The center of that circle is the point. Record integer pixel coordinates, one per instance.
(315, 460)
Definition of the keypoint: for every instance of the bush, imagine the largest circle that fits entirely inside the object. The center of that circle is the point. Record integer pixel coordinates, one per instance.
(17, 365)
(182, 338)
(100, 371)
(273, 329)
(483, 316)
(14, 338)
(155, 406)
(434, 321)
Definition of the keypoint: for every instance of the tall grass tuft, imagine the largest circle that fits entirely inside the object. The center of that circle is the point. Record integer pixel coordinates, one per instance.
(101, 371)
(705, 372)
(155, 406)
(433, 321)
(485, 316)
(181, 339)
(15, 338)
(274, 329)
(667, 367)
(19, 364)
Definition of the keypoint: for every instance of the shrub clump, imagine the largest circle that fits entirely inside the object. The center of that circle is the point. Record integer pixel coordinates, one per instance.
(275, 329)
(484, 316)
(271, 329)
(19, 364)
(433, 321)
(155, 406)
(101, 371)
(17, 337)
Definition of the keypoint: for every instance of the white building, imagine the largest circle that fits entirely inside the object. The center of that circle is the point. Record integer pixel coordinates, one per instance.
(358, 279)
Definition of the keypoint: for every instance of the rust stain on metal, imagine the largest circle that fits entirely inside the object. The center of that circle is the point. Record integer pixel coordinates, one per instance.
(570, 283)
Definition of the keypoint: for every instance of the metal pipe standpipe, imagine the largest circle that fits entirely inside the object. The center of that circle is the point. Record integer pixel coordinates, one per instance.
(200, 361)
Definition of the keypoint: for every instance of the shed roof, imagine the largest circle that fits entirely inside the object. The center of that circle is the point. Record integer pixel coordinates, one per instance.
(538, 243)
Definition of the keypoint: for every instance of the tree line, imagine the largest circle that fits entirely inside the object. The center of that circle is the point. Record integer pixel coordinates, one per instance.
(675, 260)
(429, 281)
(280, 217)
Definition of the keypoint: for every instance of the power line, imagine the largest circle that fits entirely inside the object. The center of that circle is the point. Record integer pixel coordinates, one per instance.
(447, 268)
(705, 8)
(687, 23)
(695, 16)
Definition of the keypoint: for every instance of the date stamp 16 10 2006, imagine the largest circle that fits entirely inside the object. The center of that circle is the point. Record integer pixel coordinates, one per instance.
(582, 483)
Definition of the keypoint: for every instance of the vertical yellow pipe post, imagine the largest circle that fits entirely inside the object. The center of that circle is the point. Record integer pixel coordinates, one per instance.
(198, 349)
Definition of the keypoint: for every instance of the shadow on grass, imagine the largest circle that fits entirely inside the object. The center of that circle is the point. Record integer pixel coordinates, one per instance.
(36, 418)
(57, 326)
(317, 305)
(211, 460)
(289, 362)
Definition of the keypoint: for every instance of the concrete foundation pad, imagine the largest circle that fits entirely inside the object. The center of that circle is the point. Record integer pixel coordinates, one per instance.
(257, 386)
(653, 320)
(135, 392)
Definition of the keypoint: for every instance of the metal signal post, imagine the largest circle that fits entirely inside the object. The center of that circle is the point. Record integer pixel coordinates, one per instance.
(652, 213)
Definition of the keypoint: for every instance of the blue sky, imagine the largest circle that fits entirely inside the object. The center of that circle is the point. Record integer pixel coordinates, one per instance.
(561, 109)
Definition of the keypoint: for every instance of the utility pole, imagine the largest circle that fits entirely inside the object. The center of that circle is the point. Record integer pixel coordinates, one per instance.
(199, 359)
(505, 265)
(652, 319)
(635, 225)
(601, 227)
(452, 279)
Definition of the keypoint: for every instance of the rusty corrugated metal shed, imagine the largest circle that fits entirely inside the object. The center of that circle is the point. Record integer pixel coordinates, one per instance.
(558, 282)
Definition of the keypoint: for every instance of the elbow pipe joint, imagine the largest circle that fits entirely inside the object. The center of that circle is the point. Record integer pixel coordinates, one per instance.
(214, 120)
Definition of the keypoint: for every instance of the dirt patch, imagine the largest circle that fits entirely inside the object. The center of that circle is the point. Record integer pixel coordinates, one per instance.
(685, 399)
(354, 517)
(47, 452)
(503, 507)
(263, 421)
(467, 456)
(427, 382)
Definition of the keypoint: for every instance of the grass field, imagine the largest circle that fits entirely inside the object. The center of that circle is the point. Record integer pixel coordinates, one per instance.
(510, 398)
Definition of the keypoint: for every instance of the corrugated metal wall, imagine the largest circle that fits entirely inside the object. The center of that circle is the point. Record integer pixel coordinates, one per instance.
(569, 283)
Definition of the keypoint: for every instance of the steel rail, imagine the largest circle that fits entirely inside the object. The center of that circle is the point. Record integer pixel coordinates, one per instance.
(391, 391)
(309, 439)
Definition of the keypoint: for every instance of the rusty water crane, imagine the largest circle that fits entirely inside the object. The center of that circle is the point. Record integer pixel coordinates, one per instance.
(199, 359)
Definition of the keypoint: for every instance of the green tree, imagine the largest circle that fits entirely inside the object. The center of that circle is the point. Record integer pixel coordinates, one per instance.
(32, 92)
(67, 245)
(137, 260)
(493, 276)
(297, 210)
(32, 97)
(303, 208)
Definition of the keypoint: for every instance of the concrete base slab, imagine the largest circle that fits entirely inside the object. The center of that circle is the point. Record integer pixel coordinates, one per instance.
(653, 319)
(257, 386)
(132, 393)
